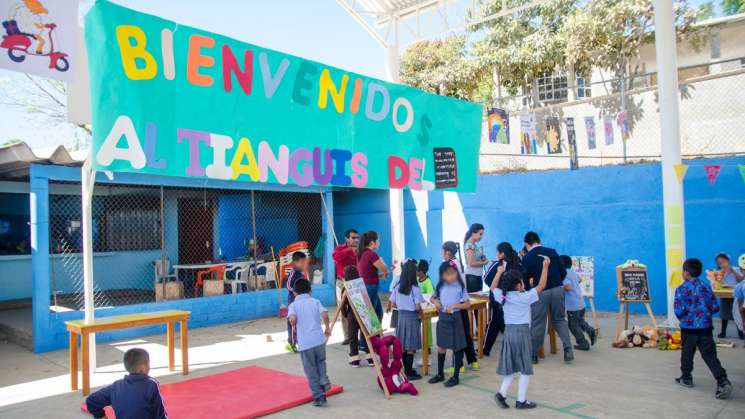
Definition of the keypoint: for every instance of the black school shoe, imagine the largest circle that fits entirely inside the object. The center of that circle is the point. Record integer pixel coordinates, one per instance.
(593, 337)
(452, 382)
(568, 357)
(436, 379)
(581, 348)
(535, 359)
(501, 401)
(525, 405)
(413, 375)
(684, 381)
(724, 389)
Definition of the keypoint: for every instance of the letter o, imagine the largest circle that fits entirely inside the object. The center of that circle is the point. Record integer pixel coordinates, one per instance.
(409, 115)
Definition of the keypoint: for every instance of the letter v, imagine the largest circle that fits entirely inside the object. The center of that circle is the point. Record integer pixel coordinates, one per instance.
(271, 83)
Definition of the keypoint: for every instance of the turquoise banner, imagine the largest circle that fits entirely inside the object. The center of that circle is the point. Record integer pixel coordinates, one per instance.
(172, 100)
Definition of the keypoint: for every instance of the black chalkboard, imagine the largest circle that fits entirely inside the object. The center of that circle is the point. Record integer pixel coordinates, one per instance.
(633, 284)
(446, 168)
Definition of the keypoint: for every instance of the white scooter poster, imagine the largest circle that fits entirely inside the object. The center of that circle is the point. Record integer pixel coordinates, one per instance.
(39, 37)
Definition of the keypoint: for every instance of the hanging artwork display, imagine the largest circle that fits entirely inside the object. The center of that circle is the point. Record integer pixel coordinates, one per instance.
(553, 135)
(572, 144)
(528, 140)
(608, 128)
(590, 127)
(499, 126)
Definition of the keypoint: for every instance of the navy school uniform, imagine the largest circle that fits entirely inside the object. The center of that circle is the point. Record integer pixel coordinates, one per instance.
(136, 396)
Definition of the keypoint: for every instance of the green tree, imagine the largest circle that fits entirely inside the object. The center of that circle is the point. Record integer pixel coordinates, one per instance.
(733, 7)
(518, 48)
(441, 67)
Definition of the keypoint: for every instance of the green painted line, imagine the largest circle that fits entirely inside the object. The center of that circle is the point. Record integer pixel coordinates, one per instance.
(567, 410)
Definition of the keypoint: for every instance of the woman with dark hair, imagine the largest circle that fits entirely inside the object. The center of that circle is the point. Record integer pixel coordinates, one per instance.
(507, 260)
(372, 268)
(730, 277)
(475, 258)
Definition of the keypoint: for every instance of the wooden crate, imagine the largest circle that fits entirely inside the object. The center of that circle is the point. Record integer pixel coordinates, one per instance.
(171, 290)
(214, 287)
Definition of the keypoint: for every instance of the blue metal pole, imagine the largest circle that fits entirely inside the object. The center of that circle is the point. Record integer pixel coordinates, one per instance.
(41, 289)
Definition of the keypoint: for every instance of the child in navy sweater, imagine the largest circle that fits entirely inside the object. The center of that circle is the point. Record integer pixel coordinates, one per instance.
(136, 396)
(694, 305)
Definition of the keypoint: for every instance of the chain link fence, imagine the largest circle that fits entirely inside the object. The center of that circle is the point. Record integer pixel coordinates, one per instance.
(156, 243)
(603, 127)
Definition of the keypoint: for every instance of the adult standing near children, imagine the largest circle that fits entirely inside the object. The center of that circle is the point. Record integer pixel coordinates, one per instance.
(345, 255)
(372, 267)
(552, 298)
(475, 258)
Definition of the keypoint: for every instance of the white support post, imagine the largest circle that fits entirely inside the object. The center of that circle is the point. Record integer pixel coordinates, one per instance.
(87, 182)
(672, 189)
(396, 196)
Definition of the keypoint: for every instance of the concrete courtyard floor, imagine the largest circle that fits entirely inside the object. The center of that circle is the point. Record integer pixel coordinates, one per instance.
(602, 383)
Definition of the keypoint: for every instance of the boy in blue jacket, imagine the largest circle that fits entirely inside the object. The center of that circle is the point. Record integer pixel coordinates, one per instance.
(694, 305)
(136, 396)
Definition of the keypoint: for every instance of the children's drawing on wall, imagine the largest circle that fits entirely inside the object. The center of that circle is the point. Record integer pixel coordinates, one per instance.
(623, 123)
(499, 126)
(584, 266)
(572, 144)
(528, 140)
(590, 126)
(608, 128)
(553, 135)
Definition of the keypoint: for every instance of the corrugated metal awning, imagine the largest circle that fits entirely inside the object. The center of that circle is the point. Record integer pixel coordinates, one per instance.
(15, 159)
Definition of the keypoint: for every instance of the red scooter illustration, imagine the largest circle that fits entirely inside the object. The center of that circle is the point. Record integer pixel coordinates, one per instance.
(18, 44)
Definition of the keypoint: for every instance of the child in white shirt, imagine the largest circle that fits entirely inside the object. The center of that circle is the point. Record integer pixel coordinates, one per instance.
(516, 354)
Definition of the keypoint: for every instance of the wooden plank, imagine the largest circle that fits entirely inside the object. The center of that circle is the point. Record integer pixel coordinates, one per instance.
(73, 352)
(126, 321)
(170, 332)
(184, 347)
(426, 321)
(85, 349)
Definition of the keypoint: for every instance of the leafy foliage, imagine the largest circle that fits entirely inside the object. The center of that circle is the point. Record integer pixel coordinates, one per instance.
(440, 67)
(733, 7)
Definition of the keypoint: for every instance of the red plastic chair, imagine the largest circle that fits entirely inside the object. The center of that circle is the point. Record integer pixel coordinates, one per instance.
(215, 272)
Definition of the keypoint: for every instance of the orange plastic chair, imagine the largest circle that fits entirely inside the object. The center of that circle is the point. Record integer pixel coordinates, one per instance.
(285, 257)
(215, 272)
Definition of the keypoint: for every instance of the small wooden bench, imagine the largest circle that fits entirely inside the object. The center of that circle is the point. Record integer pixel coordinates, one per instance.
(78, 328)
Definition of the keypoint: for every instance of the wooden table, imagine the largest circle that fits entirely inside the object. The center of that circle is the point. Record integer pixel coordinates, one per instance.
(78, 328)
(478, 308)
(724, 293)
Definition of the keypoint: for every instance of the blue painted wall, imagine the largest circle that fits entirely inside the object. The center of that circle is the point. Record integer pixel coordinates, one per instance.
(612, 213)
(205, 311)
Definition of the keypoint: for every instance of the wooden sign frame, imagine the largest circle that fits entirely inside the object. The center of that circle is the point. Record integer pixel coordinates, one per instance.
(365, 333)
(624, 303)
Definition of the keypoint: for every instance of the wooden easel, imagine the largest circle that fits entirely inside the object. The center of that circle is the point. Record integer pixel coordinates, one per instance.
(366, 334)
(624, 308)
(595, 322)
(624, 302)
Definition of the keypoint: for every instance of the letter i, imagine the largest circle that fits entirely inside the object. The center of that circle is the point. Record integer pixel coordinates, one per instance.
(354, 106)
(166, 49)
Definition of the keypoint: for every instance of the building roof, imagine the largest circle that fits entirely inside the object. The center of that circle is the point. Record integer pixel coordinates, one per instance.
(15, 159)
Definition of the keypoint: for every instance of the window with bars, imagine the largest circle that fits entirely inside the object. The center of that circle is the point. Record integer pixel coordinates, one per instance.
(552, 88)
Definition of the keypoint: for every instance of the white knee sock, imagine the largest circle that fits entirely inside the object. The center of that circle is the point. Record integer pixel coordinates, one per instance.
(522, 389)
(506, 382)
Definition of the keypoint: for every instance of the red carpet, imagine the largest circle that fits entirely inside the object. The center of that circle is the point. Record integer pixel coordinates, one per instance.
(243, 393)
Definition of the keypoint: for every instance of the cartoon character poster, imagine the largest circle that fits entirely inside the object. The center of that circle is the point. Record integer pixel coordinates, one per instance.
(39, 37)
(608, 128)
(553, 135)
(590, 127)
(528, 140)
(499, 126)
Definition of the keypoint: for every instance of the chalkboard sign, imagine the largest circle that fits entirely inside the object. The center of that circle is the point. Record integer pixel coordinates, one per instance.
(633, 284)
(361, 304)
(446, 168)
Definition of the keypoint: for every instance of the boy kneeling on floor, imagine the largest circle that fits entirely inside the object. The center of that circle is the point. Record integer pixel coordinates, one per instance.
(694, 305)
(136, 396)
(305, 315)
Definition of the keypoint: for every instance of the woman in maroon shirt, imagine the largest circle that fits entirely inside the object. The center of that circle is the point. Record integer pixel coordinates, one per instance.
(372, 268)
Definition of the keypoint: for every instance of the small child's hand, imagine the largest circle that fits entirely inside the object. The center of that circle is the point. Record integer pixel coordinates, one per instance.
(327, 332)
